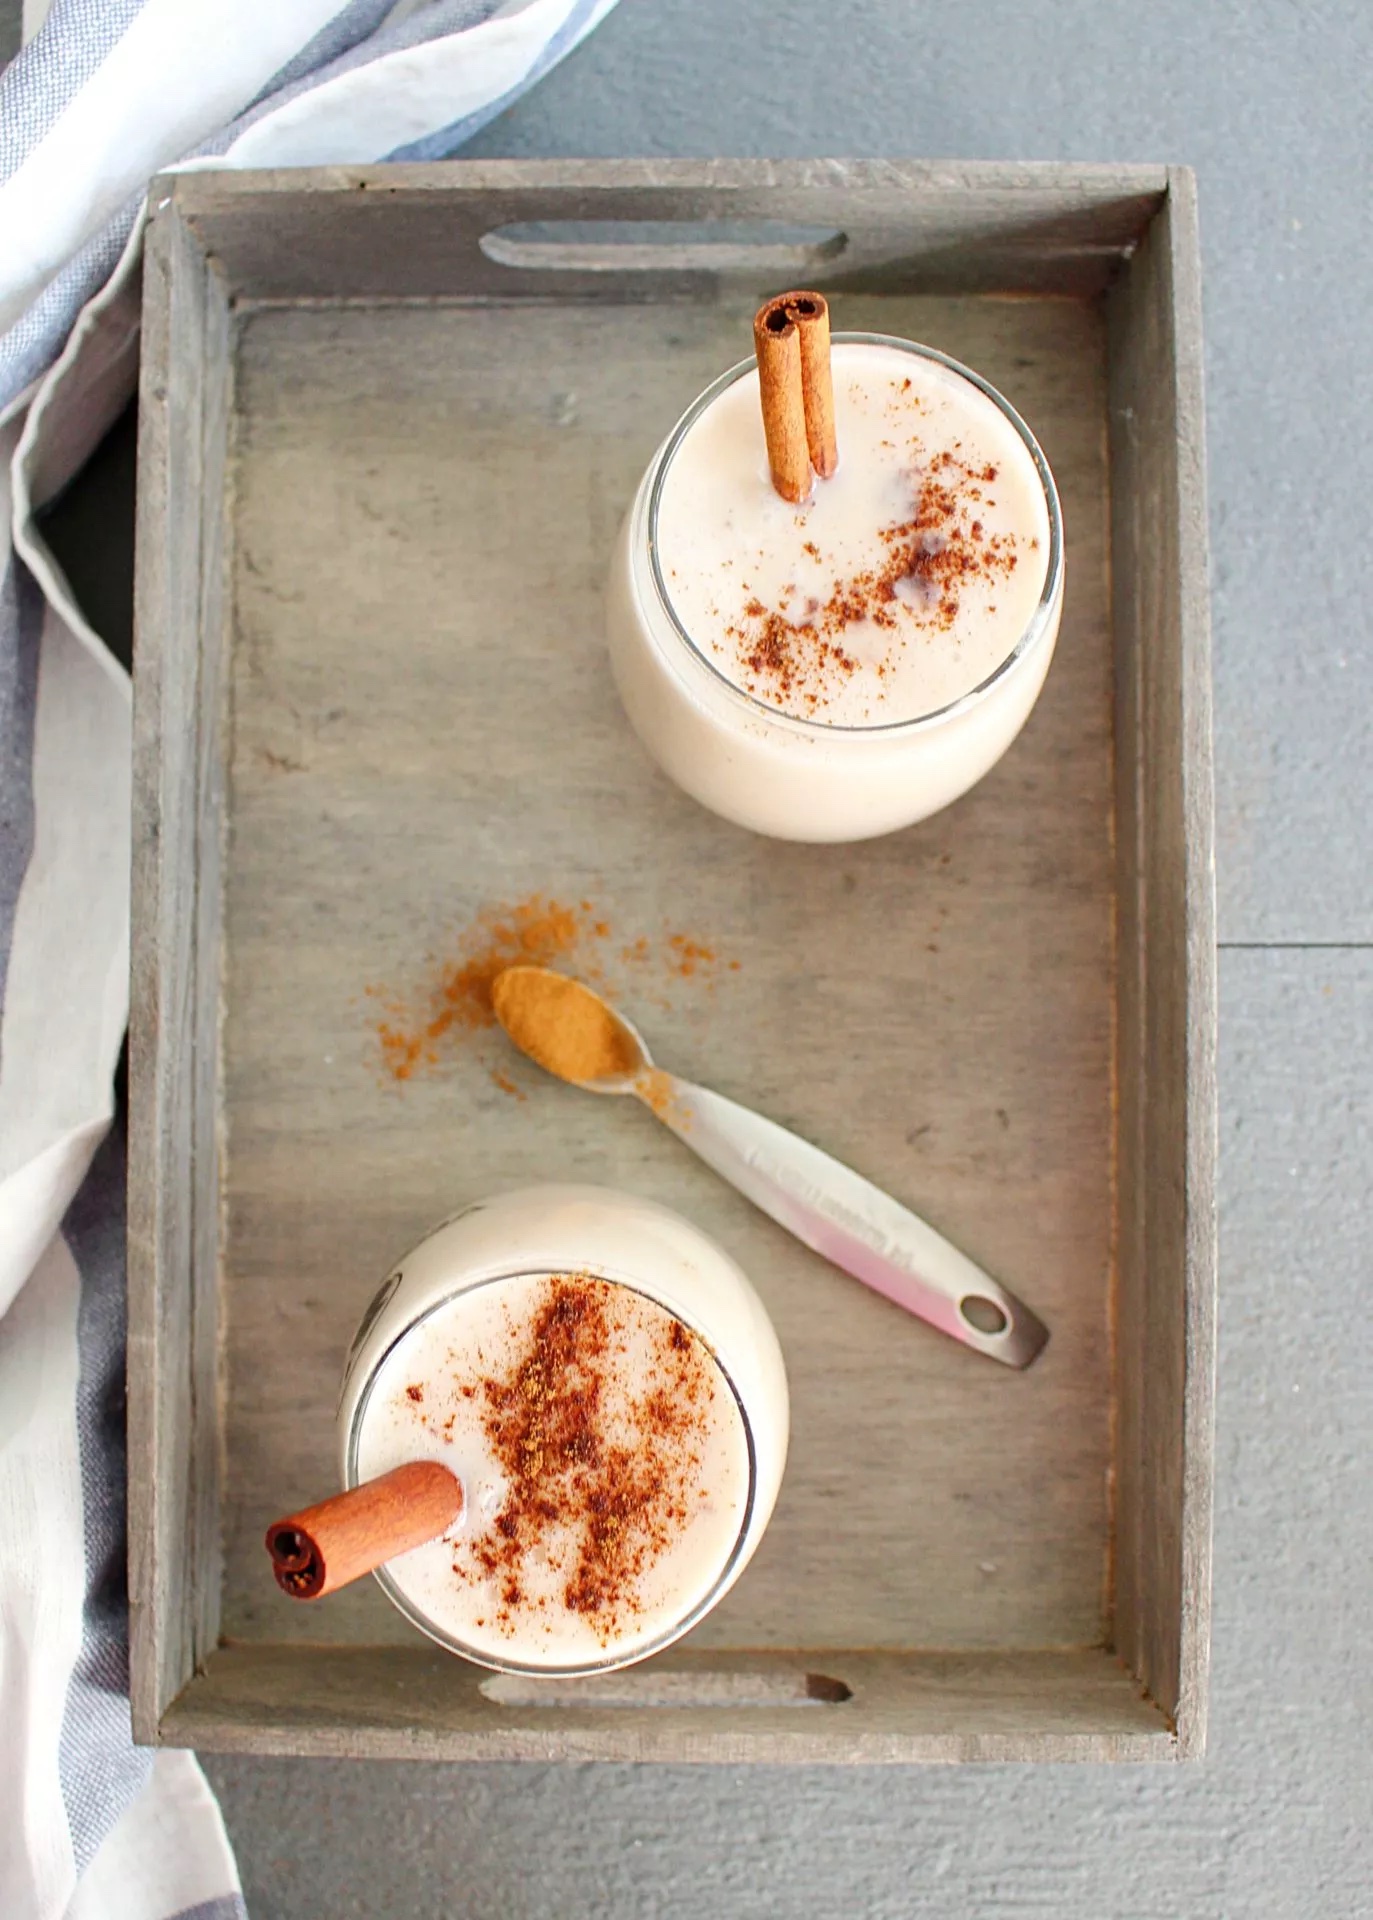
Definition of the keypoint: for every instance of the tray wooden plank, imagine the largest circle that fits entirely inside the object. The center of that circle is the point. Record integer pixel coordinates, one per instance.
(734, 1709)
(348, 234)
(175, 1542)
(1166, 1331)
(415, 425)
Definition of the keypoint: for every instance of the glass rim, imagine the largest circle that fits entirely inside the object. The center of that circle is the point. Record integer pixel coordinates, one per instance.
(1037, 627)
(527, 1669)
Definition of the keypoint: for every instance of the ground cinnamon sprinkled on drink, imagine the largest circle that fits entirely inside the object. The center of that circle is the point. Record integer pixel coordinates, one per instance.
(606, 1479)
(796, 656)
(419, 1031)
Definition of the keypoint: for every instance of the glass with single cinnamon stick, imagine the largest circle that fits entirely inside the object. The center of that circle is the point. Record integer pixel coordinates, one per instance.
(836, 594)
(563, 1426)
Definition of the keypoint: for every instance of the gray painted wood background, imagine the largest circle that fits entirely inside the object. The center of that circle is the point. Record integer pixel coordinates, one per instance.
(1268, 101)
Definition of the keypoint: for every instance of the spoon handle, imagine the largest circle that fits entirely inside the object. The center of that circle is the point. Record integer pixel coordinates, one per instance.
(848, 1220)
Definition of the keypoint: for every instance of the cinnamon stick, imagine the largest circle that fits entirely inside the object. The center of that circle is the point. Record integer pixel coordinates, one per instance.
(777, 343)
(322, 1548)
(812, 316)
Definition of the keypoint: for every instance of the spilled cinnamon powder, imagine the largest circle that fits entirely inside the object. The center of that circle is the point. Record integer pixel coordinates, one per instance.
(658, 1090)
(534, 930)
(422, 1029)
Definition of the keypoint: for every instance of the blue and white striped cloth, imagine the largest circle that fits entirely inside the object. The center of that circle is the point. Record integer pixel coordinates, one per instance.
(106, 93)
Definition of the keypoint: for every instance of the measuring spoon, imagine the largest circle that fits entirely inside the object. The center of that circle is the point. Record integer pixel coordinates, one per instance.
(828, 1206)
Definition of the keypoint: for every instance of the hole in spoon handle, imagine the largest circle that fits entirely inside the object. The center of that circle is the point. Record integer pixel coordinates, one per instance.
(1002, 1327)
(982, 1314)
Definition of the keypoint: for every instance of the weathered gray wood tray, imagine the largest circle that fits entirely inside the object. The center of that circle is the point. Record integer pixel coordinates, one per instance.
(390, 422)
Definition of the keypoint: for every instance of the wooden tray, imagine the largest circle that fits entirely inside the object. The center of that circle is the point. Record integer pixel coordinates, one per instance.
(383, 458)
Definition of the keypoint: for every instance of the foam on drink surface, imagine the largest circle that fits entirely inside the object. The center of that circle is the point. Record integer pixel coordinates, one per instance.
(904, 581)
(602, 1455)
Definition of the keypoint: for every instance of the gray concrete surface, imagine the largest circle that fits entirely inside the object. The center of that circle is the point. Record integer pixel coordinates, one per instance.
(1269, 101)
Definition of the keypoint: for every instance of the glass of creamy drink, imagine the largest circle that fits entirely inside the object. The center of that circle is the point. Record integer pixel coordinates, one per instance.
(841, 665)
(608, 1389)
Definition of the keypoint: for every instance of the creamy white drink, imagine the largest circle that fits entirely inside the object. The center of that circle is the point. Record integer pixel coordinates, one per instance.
(849, 664)
(603, 1458)
(618, 1422)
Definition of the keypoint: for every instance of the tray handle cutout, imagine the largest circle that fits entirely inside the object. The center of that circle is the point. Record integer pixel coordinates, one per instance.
(645, 1688)
(772, 247)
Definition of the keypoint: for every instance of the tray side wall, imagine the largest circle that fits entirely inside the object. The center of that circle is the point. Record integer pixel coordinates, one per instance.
(174, 1445)
(1166, 1304)
(707, 1707)
(390, 233)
